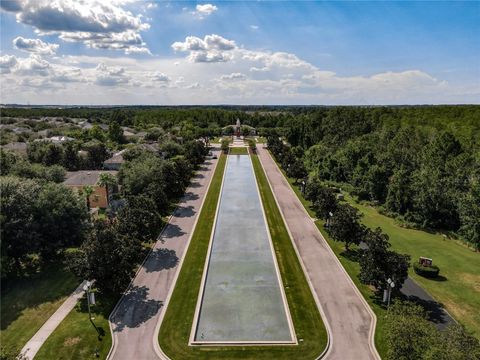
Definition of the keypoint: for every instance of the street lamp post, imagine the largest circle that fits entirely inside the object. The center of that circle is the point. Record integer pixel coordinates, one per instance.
(90, 298)
(390, 287)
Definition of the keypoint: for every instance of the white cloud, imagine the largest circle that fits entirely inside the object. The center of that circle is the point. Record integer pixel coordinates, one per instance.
(206, 9)
(233, 76)
(98, 24)
(7, 62)
(33, 65)
(110, 76)
(36, 46)
(161, 77)
(203, 10)
(212, 48)
(250, 76)
(254, 27)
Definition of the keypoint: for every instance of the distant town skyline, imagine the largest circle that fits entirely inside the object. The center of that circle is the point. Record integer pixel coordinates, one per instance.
(92, 52)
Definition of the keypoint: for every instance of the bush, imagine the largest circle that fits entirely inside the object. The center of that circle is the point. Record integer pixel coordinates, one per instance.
(426, 271)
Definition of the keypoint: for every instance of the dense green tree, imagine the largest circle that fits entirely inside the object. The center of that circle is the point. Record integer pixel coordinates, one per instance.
(7, 160)
(170, 149)
(224, 145)
(324, 202)
(59, 219)
(195, 151)
(97, 154)
(345, 225)
(399, 196)
(115, 132)
(71, 160)
(408, 333)
(108, 257)
(454, 343)
(470, 215)
(410, 336)
(37, 217)
(378, 263)
(53, 155)
(139, 219)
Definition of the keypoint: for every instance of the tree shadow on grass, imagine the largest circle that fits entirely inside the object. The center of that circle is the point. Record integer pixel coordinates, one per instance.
(19, 294)
(135, 309)
(161, 259)
(351, 254)
(439, 278)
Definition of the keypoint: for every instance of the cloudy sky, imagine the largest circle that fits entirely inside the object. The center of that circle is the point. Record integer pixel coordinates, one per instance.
(94, 52)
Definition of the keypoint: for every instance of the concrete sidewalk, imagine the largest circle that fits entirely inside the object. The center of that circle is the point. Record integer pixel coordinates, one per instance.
(35, 343)
(349, 320)
(133, 322)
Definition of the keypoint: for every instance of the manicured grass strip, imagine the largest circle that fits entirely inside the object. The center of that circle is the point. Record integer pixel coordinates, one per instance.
(458, 286)
(177, 324)
(76, 337)
(238, 151)
(27, 303)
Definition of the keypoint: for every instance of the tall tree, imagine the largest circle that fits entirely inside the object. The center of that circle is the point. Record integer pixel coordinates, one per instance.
(108, 257)
(345, 225)
(378, 263)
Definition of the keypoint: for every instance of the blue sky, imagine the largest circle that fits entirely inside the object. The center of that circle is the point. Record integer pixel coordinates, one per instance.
(260, 52)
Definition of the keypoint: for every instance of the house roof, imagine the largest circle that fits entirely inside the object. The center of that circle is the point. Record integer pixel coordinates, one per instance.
(117, 158)
(85, 177)
(16, 146)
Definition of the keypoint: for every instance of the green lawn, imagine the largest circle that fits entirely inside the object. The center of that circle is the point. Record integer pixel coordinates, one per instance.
(458, 287)
(238, 151)
(28, 303)
(76, 337)
(176, 326)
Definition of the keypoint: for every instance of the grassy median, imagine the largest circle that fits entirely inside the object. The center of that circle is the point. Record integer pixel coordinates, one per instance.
(238, 151)
(177, 324)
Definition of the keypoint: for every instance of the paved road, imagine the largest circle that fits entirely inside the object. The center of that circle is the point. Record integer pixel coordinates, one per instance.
(437, 313)
(136, 316)
(350, 321)
(35, 343)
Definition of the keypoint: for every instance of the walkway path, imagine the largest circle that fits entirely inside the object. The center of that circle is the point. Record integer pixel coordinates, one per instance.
(349, 320)
(35, 343)
(134, 320)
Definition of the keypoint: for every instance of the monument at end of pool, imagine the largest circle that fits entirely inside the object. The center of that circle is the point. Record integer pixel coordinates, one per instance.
(237, 128)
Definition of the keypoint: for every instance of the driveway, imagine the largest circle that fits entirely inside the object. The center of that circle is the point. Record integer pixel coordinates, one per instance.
(349, 320)
(134, 320)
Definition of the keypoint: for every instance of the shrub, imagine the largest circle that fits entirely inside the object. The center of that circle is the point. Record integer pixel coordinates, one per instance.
(426, 271)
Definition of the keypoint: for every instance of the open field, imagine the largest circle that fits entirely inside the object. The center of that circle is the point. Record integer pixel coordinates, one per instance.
(458, 286)
(28, 303)
(176, 326)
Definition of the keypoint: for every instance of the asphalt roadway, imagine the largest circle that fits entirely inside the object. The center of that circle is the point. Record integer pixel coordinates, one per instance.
(349, 320)
(134, 320)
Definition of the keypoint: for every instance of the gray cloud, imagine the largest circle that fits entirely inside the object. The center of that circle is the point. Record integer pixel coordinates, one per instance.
(36, 46)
